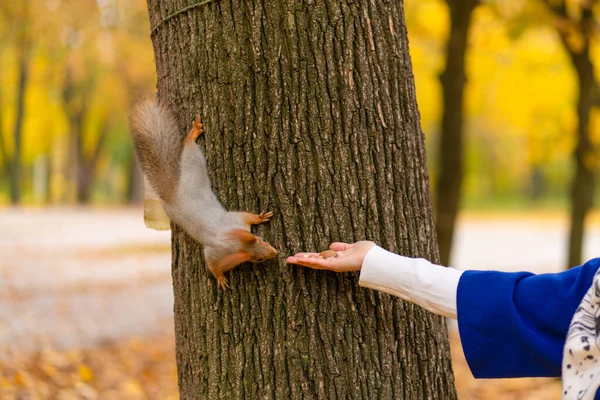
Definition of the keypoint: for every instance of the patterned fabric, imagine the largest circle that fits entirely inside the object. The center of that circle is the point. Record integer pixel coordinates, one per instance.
(581, 358)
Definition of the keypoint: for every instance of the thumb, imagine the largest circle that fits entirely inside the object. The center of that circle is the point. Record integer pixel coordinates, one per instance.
(340, 246)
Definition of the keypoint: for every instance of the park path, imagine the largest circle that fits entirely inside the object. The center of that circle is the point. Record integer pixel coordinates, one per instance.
(519, 242)
(80, 277)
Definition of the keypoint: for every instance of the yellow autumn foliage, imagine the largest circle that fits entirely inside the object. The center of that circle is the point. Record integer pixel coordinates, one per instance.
(519, 101)
(106, 49)
(520, 96)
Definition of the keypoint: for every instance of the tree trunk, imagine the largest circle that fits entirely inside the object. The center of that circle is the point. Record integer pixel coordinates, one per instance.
(82, 177)
(309, 111)
(450, 169)
(6, 160)
(76, 100)
(22, 80)
(79, 172)
(86, 169)
(135, 182)
(582, 189)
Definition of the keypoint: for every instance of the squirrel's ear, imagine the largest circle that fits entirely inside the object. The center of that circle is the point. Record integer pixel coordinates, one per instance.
(243, 236)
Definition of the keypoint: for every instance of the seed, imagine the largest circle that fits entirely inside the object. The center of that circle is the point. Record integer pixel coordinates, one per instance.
(328, 254)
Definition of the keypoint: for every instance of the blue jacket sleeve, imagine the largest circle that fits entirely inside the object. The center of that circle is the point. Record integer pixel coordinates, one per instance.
(515, 324)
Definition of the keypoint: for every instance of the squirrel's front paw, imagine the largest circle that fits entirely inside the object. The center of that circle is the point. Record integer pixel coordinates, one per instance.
(265, 216)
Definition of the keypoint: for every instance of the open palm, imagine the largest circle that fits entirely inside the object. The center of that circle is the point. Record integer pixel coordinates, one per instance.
(349, 257)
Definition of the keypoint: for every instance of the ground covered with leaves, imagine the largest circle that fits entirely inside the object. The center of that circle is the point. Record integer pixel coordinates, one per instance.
(130, 369)
(145, 369)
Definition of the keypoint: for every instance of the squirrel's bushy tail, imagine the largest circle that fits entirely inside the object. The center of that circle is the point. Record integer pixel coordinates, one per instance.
(158, 146)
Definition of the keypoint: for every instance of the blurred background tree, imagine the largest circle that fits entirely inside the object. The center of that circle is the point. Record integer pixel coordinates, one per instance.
(521, 108)
(17, 31)
(70, 71)
(577, 28)
(450, 153)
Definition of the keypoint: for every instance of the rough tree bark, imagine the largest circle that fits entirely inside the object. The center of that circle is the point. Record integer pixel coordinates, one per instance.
(309, 111)
(450, 168)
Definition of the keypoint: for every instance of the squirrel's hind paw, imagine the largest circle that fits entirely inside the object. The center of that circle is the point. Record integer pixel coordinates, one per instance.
(194, 132)
(198, 126)
(222, 283)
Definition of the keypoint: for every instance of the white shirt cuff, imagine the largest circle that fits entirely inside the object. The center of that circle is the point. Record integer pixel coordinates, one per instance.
(430, 286)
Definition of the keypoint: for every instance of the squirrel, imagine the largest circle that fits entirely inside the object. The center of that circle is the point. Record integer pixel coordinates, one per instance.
(176, 169)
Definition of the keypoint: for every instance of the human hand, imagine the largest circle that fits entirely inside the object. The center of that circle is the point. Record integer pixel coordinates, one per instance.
(349, 257)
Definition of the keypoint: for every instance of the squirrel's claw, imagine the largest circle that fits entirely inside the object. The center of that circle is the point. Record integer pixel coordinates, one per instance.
(198, 125)
(265, 216)
(222, 283)
(194, 132)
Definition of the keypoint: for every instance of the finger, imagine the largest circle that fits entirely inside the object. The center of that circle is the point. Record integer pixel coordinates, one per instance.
(306, 255)
(295, 259)
(314, 263)
(340, 246)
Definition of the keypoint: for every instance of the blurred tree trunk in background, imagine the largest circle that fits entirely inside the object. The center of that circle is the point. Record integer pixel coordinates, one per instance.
(82, 164)
(309, 111)
(19, 19)
(582, 189)
(450, 167)
(86, 164)
(576, 32)
(6, 159)
(135, 182)
(135, 177)
(22, 81)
